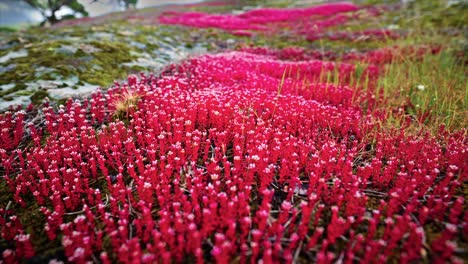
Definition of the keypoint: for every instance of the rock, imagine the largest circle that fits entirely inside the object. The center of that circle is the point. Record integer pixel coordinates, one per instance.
(88, 49)
(41, 70)
(126, 33)
(20, 100)
(138, 45)
(7, 68)
(145, 63)
(71, 81)
(14, 54)
(68, 92)
(46, 85)
(6, 86)
(66, 49)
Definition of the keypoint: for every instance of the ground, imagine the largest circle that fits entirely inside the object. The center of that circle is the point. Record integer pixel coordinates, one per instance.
(315, 138)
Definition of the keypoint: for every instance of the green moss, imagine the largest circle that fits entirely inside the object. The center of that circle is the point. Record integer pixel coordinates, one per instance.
(16, 88)
(101, 67)
(225, 8)
(145, 35)
(47, 76)
(7, 29)
(136, 69)
(110, 55)
(24, 93)
(22, 73)
(38, 96)
(269, 3)
(41, 54)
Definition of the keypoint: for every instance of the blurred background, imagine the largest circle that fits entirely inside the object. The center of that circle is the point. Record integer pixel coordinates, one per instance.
(15, 12)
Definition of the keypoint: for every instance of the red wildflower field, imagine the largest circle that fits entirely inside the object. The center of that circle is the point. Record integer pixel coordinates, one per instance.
(240, 156)
(301, 20)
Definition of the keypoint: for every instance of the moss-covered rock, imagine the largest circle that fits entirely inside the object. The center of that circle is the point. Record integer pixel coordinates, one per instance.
(39, 96)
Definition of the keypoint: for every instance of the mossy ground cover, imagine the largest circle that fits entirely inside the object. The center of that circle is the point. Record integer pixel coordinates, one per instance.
(81, 56)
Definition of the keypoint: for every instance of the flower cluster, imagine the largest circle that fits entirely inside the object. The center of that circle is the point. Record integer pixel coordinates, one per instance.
(265, 19)
(231, 155)
(377, 57)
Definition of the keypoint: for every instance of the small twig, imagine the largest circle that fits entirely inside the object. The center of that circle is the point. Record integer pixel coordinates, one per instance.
(208, 241)
(340, 259)
(373, 193)
(95, 260)
(6, 209)
(82, 211)
(130, 231)
(130, 207)
(298, 251)
(460, 250)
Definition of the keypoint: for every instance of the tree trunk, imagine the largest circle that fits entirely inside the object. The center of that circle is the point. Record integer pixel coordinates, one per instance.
(52, 19)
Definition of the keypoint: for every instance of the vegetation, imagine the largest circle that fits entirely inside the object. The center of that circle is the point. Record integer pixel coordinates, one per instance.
(340, 142)
(49, 8)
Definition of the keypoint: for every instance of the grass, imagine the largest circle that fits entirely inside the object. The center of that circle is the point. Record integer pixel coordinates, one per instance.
(432, 89)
